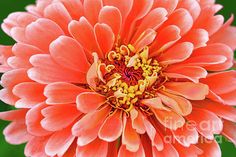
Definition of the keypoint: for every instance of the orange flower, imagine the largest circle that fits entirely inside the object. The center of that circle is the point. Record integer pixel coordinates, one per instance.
(126, 78)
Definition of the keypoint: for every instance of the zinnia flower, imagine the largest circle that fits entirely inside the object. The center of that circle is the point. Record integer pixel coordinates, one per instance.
(108, 78)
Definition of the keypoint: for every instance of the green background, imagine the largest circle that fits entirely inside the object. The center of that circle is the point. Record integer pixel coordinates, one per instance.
(8, 6)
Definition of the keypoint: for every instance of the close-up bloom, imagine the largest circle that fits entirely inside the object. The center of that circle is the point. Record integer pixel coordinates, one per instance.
(119, 78)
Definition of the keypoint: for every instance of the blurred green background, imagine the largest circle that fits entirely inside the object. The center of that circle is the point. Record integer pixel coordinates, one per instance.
(8, 6)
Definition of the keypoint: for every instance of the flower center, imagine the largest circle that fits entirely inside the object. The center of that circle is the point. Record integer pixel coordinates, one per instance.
(129, 77)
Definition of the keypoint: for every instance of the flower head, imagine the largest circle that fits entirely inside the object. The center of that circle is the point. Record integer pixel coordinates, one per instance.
(119, 78)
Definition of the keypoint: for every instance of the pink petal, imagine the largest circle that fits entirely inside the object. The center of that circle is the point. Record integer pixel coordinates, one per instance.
(182, 19)
(83, 32)
(198, 37)
(186, 135)
(41, 33)
(192, 6)
(29, 91)
(189, 90)
(221, 110)
(47, 71)
(124, 152)
(137, 119)
(177, 103)
(89, 101)
(192, 73)
(207, 124)
(164, 39)
(16, 133)
(58, 13)
(222, 82)
(112, 127)
(225, 35)
(92, 9)
(8, 97)
(74, 8)
(208, 21)
(14, 77)
(59, 142)
(168, 150)
(88, 133)
(123, 5)
(13, 115)
(145, 39)
(153, 21)
(139, 10)
(58, 117)
(33, 118)
(130, 137)
(62, 93)
(75, 60)
(178, 53)
(210, 148)
(112, 17)
(169, 119)
(169, 5)
(229, 131)
(105, 37)
(36, 147)
(216, 49)
(89, 151)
